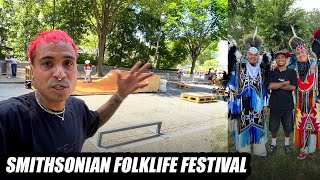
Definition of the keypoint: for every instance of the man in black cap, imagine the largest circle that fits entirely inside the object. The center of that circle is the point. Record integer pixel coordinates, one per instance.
(281, 83)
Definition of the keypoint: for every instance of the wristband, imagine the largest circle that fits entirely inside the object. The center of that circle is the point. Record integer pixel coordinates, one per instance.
(119, 96)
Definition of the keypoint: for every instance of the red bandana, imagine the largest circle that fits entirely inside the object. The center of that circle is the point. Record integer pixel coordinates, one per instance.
(299, 48)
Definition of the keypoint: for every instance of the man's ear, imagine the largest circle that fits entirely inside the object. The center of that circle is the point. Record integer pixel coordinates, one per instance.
(33, 82)
(32, 71)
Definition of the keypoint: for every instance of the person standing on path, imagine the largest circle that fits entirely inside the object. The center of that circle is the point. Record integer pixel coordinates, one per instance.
(8, 64)
(14, 66)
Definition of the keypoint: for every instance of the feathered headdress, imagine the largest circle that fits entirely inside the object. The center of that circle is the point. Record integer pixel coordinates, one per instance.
(266, 63)
(316, 43)
(252, 42)
(232, 59)
(296, 43)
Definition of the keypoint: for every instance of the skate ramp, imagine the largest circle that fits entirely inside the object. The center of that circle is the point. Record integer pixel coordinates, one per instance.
(108, 85)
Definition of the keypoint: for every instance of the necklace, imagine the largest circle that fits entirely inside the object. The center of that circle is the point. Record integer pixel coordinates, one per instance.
(59, 114)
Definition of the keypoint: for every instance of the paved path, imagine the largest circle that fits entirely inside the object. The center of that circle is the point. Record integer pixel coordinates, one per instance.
(19, 79)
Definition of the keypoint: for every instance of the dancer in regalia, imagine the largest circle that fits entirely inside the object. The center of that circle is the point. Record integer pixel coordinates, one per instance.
(248, 98)
(306, 134)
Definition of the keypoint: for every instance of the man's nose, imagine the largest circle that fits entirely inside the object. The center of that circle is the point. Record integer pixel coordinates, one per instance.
(59, 72)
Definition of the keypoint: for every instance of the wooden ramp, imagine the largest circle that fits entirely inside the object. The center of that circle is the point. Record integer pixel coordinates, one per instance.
(198, 97)
(108, 85)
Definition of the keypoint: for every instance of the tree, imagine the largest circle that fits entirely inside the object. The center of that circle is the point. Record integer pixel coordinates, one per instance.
(71, 16)
(211, 64)
(273, 18)
(241, 14)
(207, 53)
(313, 21)
(129, 41)
(172, 54)
(197, 24)
(157, 31)
(106, 13)
(133, 38)
(26, 23)
(3, 30)
(25, 18)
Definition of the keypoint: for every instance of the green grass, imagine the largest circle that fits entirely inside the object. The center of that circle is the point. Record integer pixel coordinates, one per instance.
(280, 165)
(277, 166)
(219, 139)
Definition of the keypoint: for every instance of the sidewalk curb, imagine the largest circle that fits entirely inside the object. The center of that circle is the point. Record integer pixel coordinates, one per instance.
(12, 82)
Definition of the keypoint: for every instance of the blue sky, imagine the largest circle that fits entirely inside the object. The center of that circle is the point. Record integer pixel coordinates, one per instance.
(223, 53)
(307, 4)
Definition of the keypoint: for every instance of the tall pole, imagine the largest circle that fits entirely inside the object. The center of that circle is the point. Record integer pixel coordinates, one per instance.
(156, 55)
(54, 13)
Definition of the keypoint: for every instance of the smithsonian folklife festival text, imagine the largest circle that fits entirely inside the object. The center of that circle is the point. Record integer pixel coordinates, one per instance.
(130, 164)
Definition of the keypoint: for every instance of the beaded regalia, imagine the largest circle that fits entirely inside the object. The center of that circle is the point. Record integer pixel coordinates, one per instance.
(245, 108)
(307, 109)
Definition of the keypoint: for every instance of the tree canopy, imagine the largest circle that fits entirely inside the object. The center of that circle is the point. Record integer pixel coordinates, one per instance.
(273, 18)
(121, 32)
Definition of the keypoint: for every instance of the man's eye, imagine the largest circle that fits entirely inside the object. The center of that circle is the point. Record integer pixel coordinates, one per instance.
(46, 63)
(68, 63)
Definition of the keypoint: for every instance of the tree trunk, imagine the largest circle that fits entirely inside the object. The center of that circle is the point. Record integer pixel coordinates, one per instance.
(26, 50)
(105, 18)
(101, 50)
(158, 61)
(194, 59)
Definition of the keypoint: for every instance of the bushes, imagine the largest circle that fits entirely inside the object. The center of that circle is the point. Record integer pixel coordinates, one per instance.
(83, 57)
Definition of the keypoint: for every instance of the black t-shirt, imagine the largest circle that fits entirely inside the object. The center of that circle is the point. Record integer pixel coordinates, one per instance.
(282, 99)
(25, 127)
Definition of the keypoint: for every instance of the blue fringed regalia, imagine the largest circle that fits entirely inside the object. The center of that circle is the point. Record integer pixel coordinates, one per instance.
(245, 109)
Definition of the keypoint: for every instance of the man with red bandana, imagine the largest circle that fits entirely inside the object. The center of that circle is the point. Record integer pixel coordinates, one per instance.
(306, 125)
(49, 119)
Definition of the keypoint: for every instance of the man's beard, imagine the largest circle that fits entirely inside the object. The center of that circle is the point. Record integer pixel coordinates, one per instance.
(303, 68)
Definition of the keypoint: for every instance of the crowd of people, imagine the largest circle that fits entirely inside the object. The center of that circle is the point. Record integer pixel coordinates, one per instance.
(287, 92)
(212, 77)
